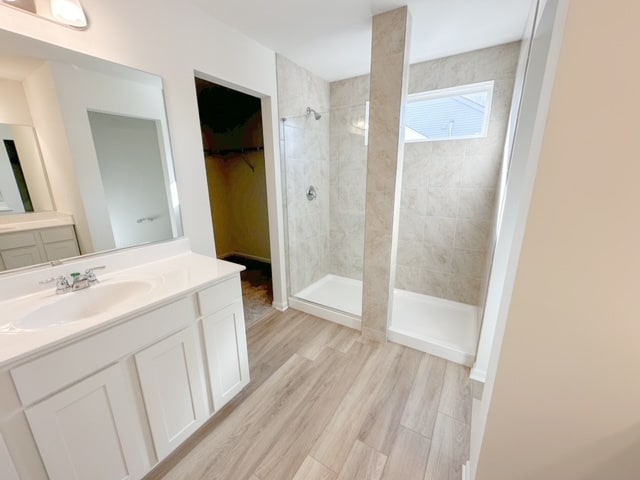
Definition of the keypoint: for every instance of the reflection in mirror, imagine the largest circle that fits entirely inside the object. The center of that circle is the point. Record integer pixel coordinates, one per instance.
(22, 177)
(65, 12)
(135, 196)
(85, 158)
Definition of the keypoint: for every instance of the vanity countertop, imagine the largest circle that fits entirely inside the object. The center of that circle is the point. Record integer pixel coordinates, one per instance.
(167, 279)
(33, 221)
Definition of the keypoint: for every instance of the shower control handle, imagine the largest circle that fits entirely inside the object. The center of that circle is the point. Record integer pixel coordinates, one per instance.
(311, 193)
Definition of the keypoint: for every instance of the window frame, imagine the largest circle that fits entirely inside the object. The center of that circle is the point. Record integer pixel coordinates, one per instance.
(479, 87)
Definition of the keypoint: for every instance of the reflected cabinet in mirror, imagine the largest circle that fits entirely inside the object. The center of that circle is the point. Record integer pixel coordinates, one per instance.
(85, 157)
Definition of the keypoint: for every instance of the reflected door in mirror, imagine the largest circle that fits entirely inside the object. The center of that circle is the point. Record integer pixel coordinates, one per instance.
(129, 157)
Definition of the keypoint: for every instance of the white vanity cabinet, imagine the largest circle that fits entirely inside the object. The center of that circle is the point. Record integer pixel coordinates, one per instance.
(112, 404)
(59, 242)
(20, 250)
(30, 247)
(7, 469)
(90, 430)
(173, 388)
(225, 339)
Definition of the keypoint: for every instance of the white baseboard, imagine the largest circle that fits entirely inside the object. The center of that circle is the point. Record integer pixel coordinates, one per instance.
(326, 313)
(432, 348)
(478, 375)
(466, 471)
(248, 256)
(281, 307)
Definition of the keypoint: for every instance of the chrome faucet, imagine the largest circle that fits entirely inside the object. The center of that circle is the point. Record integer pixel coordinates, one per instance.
(79, 281)
(62, 284)
(91, 276)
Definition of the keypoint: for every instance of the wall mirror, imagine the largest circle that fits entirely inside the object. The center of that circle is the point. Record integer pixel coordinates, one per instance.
(84, 139)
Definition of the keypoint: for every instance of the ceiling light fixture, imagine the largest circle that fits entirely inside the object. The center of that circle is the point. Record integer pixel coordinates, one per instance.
(28, 5)
(69, 12)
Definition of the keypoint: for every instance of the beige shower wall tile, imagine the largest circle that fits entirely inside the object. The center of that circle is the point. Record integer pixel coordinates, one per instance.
(378, 249)
(442, 202)
(411, 227)
(351, 199)
(496, 62)
(382, 170)
(350, 91)
(410, 253)
(492, 145)
(390, 33)
(408, 278)
(472, 234)
(438, 258)
(379, 213)
(433, 283)
(481, 171)
(418, 151)
(448, 148)
(469, 262)
(477, 204)
(465, 289)
(414, 201)
(445, 171)
(377, 290)
(439, 231)
(415, 173)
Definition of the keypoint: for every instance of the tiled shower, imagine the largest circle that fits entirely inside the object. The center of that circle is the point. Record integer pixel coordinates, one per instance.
(448, 201)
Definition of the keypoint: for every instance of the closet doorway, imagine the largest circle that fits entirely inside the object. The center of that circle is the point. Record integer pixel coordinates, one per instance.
(232, 136)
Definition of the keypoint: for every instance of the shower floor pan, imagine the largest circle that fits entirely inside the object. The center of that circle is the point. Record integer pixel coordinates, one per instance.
(437, 326)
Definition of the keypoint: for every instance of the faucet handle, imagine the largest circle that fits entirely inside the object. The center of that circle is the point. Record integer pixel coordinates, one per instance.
(53, 279)
(91, 276)
(62, 284)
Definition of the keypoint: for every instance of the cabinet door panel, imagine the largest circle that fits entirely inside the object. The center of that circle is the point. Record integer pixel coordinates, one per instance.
(21, 257)
(172, 384)
(59, 250)
(7, 470)
(90, 430)
(227, 360)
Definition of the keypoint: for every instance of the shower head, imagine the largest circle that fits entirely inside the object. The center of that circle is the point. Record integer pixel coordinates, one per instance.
(316, 115)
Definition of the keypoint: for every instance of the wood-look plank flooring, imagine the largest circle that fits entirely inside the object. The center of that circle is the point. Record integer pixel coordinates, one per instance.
(325, 404)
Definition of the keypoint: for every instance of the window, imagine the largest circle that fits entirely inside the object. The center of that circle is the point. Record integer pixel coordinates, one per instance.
(449, 114)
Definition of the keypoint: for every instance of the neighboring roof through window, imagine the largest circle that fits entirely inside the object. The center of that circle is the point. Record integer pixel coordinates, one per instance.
(450, 113)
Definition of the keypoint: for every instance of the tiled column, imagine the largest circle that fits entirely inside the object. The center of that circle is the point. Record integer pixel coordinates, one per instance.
(389, 80)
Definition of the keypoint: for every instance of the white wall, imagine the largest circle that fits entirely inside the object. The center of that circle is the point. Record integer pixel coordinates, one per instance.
(13, 105)
(239, 204)
(172, 42)
(565, 401)
(56, 153)
(32, 167)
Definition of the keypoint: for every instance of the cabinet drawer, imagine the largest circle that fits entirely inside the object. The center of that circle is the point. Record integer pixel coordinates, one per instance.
(47, 374)
(218, 296)
(17, 240)
(60, 250)
(57, 234)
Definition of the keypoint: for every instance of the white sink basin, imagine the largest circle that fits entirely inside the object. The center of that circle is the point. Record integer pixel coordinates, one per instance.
(75, 306)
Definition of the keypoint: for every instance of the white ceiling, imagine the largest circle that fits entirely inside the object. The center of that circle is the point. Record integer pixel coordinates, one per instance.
(332, 38)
